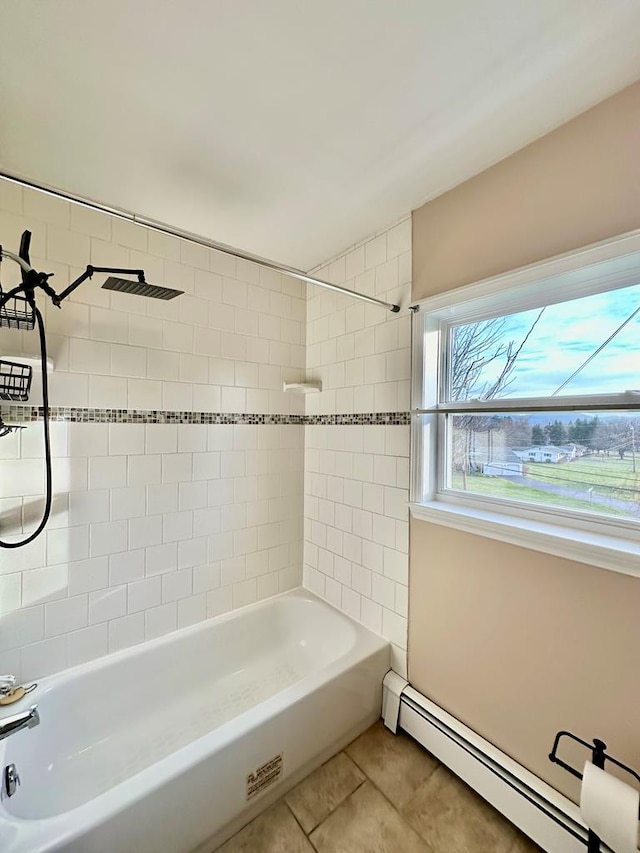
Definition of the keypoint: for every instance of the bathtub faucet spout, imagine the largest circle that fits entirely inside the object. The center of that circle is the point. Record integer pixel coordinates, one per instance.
(25, 720)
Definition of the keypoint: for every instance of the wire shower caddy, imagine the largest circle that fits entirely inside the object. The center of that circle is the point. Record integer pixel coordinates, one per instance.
(17, 313)
(15, 381)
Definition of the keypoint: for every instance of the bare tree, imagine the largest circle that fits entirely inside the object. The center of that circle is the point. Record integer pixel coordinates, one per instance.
(517, 431)
(474, 346)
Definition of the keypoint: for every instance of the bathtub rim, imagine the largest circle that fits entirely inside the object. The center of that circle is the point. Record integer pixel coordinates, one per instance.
(47, 682)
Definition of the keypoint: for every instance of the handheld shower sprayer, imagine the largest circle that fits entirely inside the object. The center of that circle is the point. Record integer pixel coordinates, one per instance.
(18, 310)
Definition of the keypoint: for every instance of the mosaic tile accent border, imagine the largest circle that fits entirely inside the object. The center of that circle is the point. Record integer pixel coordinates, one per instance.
(30, 414)
(360, 419)
(141, 416)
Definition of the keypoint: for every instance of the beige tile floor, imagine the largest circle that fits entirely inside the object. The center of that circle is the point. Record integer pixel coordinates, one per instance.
(382, 794)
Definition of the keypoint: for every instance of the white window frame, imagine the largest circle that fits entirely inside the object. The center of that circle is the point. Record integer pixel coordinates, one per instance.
(606, 542)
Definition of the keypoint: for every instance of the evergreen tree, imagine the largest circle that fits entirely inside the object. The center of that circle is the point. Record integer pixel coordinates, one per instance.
(556, 433)
(537, 435)
(582, 430)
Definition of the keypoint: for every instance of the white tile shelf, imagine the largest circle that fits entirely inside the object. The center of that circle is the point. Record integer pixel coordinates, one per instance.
(302, 387)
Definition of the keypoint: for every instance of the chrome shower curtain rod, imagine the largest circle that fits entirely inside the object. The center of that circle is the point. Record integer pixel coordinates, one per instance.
(203, 241)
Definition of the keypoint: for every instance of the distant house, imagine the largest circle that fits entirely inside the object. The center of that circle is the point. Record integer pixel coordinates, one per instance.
(504, 463)
(542, 453)
(570, 450)
(573, 451)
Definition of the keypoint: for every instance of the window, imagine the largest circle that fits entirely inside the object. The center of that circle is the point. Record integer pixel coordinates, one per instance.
(526, 398)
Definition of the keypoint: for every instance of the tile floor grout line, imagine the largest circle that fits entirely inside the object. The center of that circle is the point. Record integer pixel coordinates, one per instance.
(399, 811)
(283, 799)
(439, 765)
(395, 808)
(362, 770)
(335, 809)
(359, 785)
(400, 815)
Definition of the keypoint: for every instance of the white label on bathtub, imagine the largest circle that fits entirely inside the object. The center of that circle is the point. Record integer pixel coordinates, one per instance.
(264, 776)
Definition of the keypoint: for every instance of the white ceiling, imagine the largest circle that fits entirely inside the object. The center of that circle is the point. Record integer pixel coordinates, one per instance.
(292, 128)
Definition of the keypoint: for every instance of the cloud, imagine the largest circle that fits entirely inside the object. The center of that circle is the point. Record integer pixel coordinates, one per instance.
(562, 341)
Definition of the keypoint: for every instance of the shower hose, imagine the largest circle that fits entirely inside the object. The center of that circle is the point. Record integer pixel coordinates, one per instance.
(31, 280)
(47, 438)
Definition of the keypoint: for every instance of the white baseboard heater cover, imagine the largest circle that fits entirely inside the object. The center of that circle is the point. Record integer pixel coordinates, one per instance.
(537, 809)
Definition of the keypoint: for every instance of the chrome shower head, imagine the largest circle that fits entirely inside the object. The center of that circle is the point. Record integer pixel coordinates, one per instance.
(140, 288)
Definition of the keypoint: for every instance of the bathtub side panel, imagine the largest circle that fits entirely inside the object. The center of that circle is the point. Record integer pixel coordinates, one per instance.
(203, 808)
(103, 701)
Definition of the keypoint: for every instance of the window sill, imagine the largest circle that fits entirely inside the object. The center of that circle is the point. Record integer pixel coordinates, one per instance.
(614, 553)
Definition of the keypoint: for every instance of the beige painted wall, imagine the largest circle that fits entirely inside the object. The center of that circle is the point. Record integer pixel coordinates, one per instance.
(519, 645)
(575, 186)
(513, 642)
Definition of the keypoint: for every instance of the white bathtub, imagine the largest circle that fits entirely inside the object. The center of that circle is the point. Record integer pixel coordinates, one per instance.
(153, 749)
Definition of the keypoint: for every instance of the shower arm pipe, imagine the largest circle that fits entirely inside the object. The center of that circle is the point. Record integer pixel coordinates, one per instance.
(90, 270)
(57, 298)
(162, 227)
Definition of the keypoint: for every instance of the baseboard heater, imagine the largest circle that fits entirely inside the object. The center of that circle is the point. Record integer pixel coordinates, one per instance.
(537, 809)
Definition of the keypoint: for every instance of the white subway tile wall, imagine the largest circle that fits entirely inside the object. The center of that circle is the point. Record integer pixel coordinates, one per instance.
(156, 526)
(226, 345)
(357, 477)
(145, 540)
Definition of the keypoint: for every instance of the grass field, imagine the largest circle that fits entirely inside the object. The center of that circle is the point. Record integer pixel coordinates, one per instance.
(496, 487)
(502, 488)
(607, 475)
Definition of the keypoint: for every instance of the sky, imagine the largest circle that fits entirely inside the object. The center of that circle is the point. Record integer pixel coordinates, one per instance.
(566, 335)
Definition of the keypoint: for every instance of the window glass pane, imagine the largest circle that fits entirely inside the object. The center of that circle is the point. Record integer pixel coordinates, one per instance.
(536, 353)
(582, 461)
